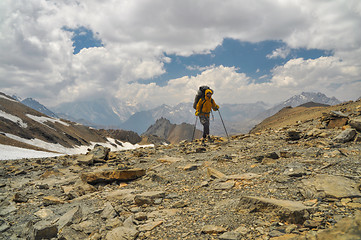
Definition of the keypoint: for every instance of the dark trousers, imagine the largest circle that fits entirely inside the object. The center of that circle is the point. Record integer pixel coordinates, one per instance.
(205, 122)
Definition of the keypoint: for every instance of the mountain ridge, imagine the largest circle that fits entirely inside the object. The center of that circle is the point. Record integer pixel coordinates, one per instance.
(173, 133)
(26, 127)
(238, 118)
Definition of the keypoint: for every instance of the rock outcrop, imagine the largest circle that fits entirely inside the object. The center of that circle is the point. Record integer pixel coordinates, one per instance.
(173, 133)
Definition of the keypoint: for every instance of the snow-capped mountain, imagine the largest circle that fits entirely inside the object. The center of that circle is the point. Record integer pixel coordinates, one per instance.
(100, 113)
(32, 103)
(305, 97)
(140, 121)
(184, 113)
(295, 101)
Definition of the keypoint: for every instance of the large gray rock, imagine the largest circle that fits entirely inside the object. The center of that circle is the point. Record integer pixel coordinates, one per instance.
(149, 198)
(112, 175)
(345, 136)
(355, 123)
(73, 216)
(290, 211)
(41, 230)
(348, 228)
(231, 236)
(100, 152)
(108, 211)
(122, 233)
(4, 226)
(68, 233)
(332, 186)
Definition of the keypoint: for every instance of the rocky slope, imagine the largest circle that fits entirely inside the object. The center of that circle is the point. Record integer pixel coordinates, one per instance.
(299, 180)
(290, 116)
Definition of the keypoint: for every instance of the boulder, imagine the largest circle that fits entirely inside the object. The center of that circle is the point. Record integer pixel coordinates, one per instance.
(149, 198)
(212, 229)
(289, 211)
(346, 136)
(294, 135)
(51, 200)
(41, 230)
(213, 173)
(346, 229)
(73, 216)
(332, 186)
(231, 236)
(150, 225)
(112, 175)
(108, 211)
(122, 233)
(356, 123)
(100, 152)
(68, 233)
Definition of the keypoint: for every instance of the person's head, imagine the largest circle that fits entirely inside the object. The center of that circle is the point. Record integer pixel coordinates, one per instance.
(209, 93)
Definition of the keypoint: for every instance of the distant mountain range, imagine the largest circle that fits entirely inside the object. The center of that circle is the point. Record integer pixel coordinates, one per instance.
(98, 112)
(295, 101)
(238, 118)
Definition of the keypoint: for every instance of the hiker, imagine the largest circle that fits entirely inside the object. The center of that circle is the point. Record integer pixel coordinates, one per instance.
(204, 107)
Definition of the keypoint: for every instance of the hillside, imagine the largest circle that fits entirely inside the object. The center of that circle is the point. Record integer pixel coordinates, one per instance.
(297, 180)
(24, 127)
(290, 116)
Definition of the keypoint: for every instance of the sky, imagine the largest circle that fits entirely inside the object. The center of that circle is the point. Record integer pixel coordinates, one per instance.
(153, 52)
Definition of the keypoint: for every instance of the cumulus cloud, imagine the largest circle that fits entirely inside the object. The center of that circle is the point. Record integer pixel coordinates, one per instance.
(37, 57)
(279, 53)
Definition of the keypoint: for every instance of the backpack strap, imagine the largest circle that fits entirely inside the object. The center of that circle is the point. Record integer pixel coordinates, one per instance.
(204, 100)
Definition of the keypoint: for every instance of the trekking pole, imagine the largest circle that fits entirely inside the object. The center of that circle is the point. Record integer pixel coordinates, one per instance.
(194, 130)
(223, 124)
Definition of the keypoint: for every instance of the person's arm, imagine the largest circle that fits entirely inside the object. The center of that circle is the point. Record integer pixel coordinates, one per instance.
(214, 105)
(198, 107)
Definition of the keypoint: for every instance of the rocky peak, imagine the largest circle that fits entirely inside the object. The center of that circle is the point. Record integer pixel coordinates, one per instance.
(173, 133)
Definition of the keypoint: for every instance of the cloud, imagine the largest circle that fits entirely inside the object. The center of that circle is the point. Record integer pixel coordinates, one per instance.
(37, 57)
(200, 68)
(279, 53)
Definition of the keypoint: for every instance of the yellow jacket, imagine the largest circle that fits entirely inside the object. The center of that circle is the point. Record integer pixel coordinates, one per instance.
(205, 105)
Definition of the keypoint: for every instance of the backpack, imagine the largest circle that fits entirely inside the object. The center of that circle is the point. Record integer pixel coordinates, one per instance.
(200, 94)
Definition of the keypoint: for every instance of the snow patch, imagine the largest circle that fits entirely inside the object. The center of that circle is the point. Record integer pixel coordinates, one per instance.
(13, 118)
(10, 153)
(18, 153)
(43, 119)
(7, 98)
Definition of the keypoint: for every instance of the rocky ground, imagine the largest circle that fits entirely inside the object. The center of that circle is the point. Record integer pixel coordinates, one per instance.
(297, 182)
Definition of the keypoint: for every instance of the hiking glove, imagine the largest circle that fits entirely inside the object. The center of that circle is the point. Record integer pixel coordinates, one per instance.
(197, 113)
(217, 107)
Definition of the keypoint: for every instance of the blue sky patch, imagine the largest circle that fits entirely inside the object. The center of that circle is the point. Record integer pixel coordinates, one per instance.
(255, 59)
(83, 38)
